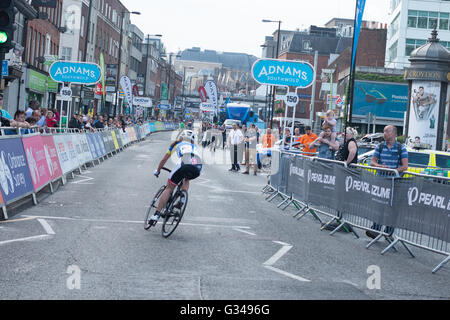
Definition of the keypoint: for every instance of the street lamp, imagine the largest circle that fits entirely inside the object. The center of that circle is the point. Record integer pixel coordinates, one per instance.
(146, 61)
(276, 57)
(170, 71)
(120, 54)
(184, 83)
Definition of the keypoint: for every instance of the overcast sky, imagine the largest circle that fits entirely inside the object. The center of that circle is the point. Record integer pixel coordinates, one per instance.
(235, 25)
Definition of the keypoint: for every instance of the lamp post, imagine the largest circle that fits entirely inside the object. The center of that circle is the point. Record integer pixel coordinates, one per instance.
(120, 54)
(184, 84)
(169, 73)
(267, 87)
(276, 57)
(146, 60)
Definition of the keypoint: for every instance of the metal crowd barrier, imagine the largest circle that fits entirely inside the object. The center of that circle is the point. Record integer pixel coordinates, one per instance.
(413, 235)
(411, 232)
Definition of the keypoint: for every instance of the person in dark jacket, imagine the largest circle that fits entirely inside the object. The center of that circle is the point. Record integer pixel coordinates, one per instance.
(74, 123)
(99, 124)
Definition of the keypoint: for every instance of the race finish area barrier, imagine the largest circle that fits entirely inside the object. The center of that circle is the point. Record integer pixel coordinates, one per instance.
(31, 161)
(414, 210)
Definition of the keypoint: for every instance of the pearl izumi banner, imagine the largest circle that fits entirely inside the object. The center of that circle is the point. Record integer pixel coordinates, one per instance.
(424, 207)
(420, 205)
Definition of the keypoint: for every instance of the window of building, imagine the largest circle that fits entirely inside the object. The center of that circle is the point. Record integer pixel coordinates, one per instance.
(412, 44)
(443, 21)
(82, 27)
(393, 28)
(422, 20)
(66, 53)
(114, 17)
(393, 51)
(433, 20)
(48, 44)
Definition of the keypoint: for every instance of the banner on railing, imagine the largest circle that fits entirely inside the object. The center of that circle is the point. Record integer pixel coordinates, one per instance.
(66, 153)
(424, 207)
(51, 155)
(15, 178)
(37, 161)
(417, 204)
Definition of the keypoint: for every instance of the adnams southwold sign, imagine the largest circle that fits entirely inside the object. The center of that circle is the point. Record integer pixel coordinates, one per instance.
(75, 72)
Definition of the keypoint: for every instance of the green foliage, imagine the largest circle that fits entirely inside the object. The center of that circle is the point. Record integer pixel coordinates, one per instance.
(401, 139)
(379, 77)
(279, 110)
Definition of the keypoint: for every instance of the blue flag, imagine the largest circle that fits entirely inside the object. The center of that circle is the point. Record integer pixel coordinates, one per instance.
(360, 4)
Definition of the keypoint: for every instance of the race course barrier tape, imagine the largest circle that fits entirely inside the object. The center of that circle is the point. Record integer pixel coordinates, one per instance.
(29, 163)
(416, 209)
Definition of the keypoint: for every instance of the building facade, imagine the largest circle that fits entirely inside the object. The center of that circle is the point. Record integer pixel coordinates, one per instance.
(409, 27)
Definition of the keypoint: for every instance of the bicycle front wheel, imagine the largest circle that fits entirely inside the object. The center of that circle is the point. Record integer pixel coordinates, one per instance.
(152, 208)
(174, 213)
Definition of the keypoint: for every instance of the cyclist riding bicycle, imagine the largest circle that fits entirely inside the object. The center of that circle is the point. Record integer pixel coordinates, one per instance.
(188, 168)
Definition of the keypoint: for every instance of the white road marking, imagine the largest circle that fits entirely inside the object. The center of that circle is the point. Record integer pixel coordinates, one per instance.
(83, 181)
(243, 231)
(287, 274)
(269, 263)
(136, 222)
(46, 226)
(25, 239)
(278, 255)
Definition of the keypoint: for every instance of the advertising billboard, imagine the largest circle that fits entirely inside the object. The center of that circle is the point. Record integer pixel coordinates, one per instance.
(382, 99)
(425, 99)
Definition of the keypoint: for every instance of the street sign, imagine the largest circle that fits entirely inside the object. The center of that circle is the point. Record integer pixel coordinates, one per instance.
(75, 72)
(5, 68)
(144, 102)
(299, 74)
(291, 99)
(164, 106)
(66, 94)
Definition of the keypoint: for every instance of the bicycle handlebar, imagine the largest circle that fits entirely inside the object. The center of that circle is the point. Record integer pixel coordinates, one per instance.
(168, 170)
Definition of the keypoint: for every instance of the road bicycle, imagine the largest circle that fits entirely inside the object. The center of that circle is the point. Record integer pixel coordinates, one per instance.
(171, 213)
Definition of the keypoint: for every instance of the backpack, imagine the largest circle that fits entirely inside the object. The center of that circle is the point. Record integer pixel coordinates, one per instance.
(399, 151)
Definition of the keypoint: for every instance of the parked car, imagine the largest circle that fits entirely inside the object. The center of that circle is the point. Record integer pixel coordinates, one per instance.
(419, 161)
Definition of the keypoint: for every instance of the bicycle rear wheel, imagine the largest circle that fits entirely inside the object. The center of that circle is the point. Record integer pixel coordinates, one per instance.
(152, 208)
(173, 215)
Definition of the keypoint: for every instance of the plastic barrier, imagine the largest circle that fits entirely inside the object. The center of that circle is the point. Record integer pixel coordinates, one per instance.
(30, 162)
(37, 161)
(15, 177)
(51, 155)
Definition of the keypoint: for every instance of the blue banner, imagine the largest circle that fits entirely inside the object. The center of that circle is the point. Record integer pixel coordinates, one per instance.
(93, 146)
(75, 72)
(100, 144)
(299, 74)
(15, 178)
(389, 100)
(360, 4)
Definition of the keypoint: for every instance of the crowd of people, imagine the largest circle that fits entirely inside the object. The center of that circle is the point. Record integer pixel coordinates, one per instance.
(38, 119)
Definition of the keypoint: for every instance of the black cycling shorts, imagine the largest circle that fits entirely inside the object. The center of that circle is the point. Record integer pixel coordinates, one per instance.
(185, 171)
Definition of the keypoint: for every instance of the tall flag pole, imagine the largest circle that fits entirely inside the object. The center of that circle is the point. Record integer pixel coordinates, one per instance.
(359, 11)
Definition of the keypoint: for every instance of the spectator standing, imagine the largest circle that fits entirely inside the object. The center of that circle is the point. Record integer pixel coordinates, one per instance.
(350, 148)
(268, 139)
(34, 105)
(99, 124)
(251, 138)
(306, 140)
(74, 123)
(42, 121)
(50, 120)
(235, 138)
(325, 144)
(389, 155)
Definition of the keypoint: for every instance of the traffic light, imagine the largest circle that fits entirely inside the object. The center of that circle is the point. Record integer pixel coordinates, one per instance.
(7, 13)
